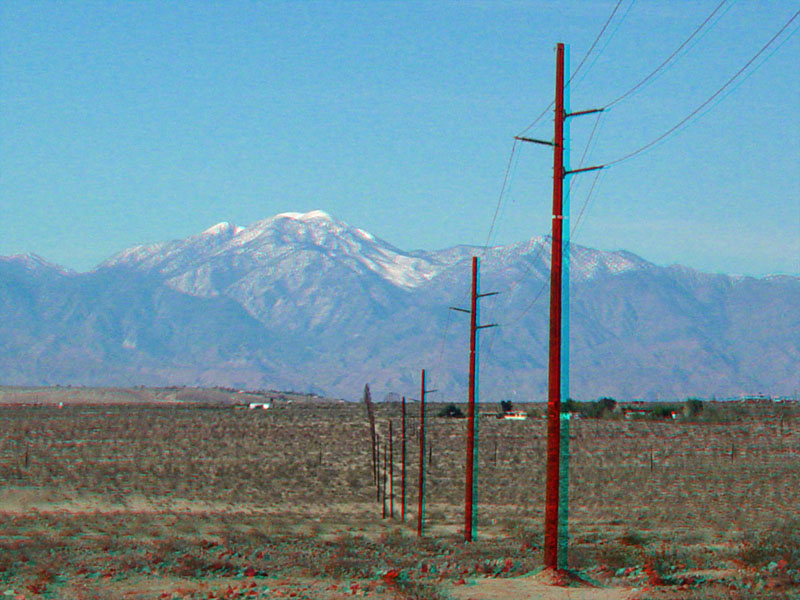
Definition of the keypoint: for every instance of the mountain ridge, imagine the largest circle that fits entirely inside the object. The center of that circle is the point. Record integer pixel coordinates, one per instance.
(302, 300)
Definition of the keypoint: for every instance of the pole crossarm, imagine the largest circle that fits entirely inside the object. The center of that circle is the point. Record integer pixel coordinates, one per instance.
(583, 170)
(533, 141)
(488, 294)
(464, 310)
(584, 112)
(489, 325)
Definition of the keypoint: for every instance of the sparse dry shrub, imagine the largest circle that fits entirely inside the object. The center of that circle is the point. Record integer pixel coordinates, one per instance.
(616, 556)
(410, 589)
(778, 543)
(525, 533)
(633, 538)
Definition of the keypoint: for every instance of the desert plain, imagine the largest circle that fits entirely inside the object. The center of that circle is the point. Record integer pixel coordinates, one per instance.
(179, 493)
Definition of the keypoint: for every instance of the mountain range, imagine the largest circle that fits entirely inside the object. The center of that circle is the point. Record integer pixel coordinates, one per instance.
(308, 303)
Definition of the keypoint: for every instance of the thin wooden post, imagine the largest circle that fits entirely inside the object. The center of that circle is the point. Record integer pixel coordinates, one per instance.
(391, 472)
(377, 467)
(384, 479)
(421, 503)
(403, 476)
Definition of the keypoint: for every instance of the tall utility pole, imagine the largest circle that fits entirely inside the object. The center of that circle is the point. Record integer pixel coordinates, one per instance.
(554, 362)
(471, 463)
(552, 525)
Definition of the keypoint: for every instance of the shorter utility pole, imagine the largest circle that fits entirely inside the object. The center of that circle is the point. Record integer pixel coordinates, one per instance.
(378, 467)
(403, 477)
(384, 477)
(471, 463)
(391, 472)
(421, 507)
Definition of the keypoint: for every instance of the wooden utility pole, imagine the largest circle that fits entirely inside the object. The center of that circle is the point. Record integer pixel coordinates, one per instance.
(421, 507)
(385, 445)
(403, 467)
(554, 362)
(421, 503)
(554, 471)
(469, 491)
(371, 418)
(471, 461)
(378, 467)
(391, 472)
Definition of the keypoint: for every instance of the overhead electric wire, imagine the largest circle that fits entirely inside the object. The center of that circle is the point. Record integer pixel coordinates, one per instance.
(578, 68)
(488, 238)
(582, 161)
(585, 204)
(608, 41)
(500, 197)
(668, 59)
(751, 72)
(535, 121)
(704, 104)
(597, 39)
(632, 90)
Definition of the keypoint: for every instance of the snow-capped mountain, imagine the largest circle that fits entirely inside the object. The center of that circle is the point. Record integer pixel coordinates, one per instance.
(263, 246)
(305, 301)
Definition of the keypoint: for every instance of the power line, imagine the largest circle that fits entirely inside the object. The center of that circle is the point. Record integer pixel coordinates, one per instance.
(753, 70)
(586, 149)
(608, 41)
(704, 104)
(539, 250)
(668, 59)
(585, 205)
(597, 39)
(500, 197)
(578, 68)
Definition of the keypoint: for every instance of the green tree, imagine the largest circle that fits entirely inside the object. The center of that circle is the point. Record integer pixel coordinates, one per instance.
(451, 411)
(608, 404)
(694, 407)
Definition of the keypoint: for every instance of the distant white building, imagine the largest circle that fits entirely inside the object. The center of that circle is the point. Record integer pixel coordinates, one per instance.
(517, 415)
(263, 405)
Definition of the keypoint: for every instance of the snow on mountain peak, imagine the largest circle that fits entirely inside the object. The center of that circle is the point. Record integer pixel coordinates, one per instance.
(223, 227)
(316, 214)
(320, 215)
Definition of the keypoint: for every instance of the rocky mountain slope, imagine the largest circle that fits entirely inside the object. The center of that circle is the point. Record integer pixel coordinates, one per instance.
(306, 302)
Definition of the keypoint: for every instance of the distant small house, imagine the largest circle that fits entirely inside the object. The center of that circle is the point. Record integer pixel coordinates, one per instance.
(635, 413)
(517, 415)
(263, 405)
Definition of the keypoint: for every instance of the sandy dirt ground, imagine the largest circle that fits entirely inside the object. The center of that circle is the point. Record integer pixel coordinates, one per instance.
(533, 588)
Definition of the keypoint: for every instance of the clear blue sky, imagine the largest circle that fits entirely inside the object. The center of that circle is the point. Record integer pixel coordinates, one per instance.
(131, 122)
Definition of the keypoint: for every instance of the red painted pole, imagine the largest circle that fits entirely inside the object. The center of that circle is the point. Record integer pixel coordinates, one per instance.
(421, 506)
(378, 467)
(384, 478)
(391, 472)
(554, 363)
(403, 476)
(470, 461)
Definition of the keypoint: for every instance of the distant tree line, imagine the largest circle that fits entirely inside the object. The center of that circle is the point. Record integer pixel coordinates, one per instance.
(596, 409)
